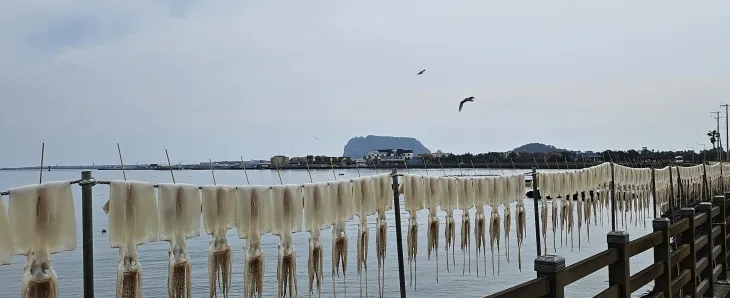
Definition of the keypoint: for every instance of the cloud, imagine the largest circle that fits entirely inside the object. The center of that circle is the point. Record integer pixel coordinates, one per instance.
(229, 78)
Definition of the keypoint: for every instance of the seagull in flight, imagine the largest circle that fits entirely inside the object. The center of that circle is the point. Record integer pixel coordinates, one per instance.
(421, 72)
(461, 104)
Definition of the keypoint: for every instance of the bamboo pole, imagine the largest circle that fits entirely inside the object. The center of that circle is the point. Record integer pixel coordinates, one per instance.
(306, 161)
(276, 165)
(245, 171)
(121, 162)
(43, 153)
(170, 165)
(211, 171)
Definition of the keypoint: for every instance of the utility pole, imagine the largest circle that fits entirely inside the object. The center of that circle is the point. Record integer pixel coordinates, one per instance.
(716, 115)
(727, 137)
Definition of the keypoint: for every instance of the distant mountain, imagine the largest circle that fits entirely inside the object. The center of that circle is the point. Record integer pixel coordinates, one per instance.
(536, 148)
(358, 147)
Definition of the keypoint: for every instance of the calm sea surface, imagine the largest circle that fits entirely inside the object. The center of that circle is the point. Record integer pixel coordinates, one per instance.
(153, 256)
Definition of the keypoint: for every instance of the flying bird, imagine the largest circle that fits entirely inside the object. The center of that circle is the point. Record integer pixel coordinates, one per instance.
(421, 72)
(461, 104)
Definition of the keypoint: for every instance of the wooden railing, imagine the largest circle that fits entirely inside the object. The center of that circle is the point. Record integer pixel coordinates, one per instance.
(689, 257)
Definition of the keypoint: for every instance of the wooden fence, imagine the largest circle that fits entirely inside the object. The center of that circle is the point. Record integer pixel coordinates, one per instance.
(690, 256)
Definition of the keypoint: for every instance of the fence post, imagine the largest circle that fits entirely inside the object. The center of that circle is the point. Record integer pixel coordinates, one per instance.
(535, 198)
(671, 194)
(552, 267)
(653, 190)
(613, 199)
(398, 233)
(706, 208)
(619, 273)
(662, 284)
(719, 201)
(690, 261)
(88, 235)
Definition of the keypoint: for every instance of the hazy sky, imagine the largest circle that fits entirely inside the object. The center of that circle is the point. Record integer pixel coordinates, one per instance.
(224, 79)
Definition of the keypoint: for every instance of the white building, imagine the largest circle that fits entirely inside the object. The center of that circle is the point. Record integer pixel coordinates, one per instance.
(440, 154)
(390, 155)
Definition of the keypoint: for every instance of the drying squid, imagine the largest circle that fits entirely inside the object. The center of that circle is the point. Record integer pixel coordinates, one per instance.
(253, 219)
(6, 238)
(543, 215)
(554, 215)
(519, 188)
(133, 220)
(579, 202)
(466, 194)
(494, 228)
(180, 209)
(342, 209)
(316, 218)
(218, 216)
(42, 222)
(506, 194)
(484, 189)
(384, 202)
(364, 197)
(414, 191)
(287, 208)
(433, 199)
(449, 203)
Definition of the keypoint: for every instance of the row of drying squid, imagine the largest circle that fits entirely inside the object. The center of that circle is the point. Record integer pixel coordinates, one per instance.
(41, 220)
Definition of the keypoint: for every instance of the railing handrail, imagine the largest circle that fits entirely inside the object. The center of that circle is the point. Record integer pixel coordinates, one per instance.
(703, 255)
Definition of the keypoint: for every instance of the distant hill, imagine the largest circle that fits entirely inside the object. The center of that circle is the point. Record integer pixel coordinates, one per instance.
(536, 148)
(358, 147)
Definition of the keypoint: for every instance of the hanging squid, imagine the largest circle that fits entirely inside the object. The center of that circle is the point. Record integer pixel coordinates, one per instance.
(413, 188)
(483, 190)
(179, 209)
(466, 194)
(569, 210)
(218, 216)
(554, 205)
(133, 220)
(449, 203)
(342, 209)
(433, 199)
(494, 226)
(42, 222)
(579, 207)
(364, 197)
(505, 197)
(253, 218)
(518, 195)
(6, 238)
(384, 202)
(316, 218)
(286, 201)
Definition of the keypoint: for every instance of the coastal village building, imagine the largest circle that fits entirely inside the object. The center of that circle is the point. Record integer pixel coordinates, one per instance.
(589, 155)
(440, 154)
(279, 160)
(390, 155)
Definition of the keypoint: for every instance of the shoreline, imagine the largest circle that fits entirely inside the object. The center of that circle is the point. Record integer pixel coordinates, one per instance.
(430, 166)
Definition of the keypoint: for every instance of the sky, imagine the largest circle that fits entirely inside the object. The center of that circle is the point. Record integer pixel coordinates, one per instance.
(230, 79)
